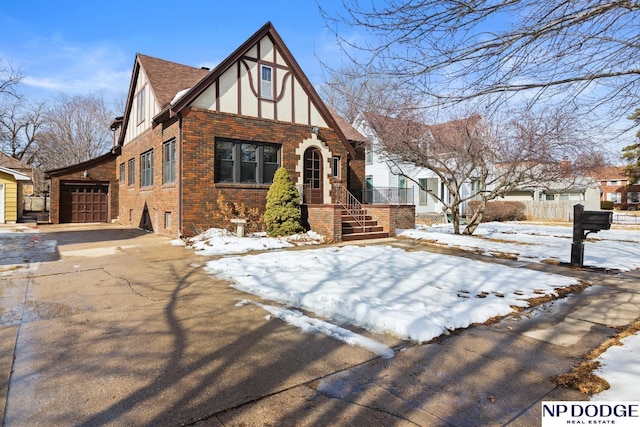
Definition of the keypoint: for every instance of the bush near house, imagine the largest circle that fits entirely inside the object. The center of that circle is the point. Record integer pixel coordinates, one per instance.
(607, 205)
(499, 211)
(227, 211)
(282, 215)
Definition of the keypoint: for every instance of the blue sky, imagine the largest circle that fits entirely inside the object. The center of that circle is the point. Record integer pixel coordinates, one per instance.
(74, 47)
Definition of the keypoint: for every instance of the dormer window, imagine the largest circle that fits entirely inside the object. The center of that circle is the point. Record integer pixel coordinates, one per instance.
(266, 82)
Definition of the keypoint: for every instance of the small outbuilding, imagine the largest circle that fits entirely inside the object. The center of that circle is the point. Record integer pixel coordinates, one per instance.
(85, 192)
(11, 194)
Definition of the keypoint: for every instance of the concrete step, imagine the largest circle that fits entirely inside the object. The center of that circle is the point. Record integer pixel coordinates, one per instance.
(357, 228)
(364, 236)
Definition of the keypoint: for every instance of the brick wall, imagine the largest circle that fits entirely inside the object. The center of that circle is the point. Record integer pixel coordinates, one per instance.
(160, 200)
(324, 219)
(200, 128)
(392, 217)
(195, 145)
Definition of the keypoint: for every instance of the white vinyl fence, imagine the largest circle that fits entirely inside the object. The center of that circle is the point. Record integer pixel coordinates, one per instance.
(558, 210)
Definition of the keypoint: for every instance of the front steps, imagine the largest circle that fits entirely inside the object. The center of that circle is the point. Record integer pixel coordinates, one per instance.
(352, 229)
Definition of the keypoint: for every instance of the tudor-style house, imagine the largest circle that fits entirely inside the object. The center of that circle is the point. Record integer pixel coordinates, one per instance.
(189, 134)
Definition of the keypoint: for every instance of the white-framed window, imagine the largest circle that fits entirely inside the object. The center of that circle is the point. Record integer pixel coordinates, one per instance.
(335, 169)
(422, 192)
(266, 81)
(368, 155)
(614, 197)
(140, 105)
(633, 197)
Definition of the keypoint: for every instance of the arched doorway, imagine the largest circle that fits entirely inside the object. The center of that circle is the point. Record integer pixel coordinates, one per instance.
(313, 191)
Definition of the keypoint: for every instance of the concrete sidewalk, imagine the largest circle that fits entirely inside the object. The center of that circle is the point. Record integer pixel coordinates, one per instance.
(122, 328)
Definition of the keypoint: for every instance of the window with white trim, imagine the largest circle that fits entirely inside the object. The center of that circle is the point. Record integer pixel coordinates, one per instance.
(266, 82)
(140, 105)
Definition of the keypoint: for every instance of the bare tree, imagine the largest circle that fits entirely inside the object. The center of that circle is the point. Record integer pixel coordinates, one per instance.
(480, 161)
(76, 129)
(631, 153)
(19, 128)
(451, 51)
(10, 78)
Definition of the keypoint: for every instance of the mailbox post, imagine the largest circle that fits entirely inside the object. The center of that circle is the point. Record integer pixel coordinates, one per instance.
(585, 222)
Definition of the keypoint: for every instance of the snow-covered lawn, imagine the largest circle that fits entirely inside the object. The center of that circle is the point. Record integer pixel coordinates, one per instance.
(413, 295)
(611, 249)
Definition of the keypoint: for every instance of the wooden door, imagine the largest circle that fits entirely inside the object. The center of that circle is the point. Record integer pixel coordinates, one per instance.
(313, 177)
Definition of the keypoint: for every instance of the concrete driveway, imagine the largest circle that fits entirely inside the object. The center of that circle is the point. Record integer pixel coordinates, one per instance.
(118, 327)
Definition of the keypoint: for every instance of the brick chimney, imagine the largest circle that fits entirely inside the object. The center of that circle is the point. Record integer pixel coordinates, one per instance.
(565, 168)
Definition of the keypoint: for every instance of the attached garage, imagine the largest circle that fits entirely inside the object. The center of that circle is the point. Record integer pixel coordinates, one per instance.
(85, 192)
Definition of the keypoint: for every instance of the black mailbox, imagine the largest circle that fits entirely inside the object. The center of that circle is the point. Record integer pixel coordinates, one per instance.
(585, 222)
(596, 220)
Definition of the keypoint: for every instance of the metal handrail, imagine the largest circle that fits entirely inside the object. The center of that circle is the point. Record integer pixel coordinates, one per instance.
(350, 204)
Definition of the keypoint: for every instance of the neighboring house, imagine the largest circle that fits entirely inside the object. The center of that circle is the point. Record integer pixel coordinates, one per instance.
(12, 163)
(388, 180)
(11, 194)
(584, 191)
(615, 187)
(191, 134)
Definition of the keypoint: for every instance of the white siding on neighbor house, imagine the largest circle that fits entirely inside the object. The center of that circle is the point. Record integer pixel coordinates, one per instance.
(384, 176)
(135, 127)
(289, 103)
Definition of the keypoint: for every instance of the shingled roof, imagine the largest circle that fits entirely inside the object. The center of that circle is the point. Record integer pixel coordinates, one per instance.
(348, 130)
(13, 163)
(167, 78)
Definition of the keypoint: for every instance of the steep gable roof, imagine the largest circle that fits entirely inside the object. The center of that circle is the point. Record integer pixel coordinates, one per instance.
(349, 131)
(165, 79)
(267, 30)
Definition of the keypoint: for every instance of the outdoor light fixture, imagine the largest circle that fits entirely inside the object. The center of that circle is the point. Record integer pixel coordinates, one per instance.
(85, 174)
(315, 130)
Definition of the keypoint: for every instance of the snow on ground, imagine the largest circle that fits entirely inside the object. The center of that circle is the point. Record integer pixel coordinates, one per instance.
(612, 249)
(419, 295)
(410, 295)
(221, 242)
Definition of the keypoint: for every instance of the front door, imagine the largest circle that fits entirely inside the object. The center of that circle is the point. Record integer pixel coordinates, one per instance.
(313, 177)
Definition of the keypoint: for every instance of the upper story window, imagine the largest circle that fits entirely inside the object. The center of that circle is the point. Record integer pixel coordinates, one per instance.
(140, 105)
(146, 169)
(266, 82)
(246, 162)
(368, 155)
(122, 172)
(169, 162)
